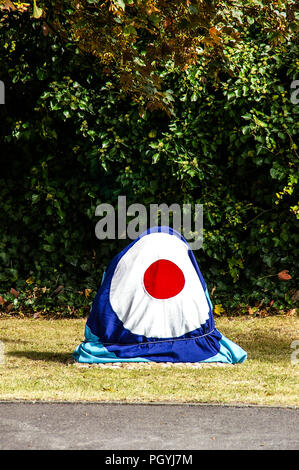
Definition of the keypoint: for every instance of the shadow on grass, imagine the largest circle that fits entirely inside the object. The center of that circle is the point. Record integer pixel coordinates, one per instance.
(14, 341)
(62, 358)
(269, 345)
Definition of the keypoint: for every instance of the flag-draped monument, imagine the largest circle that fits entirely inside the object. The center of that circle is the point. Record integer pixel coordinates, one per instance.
(153, 306)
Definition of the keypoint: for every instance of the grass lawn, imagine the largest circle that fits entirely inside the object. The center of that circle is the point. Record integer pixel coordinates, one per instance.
(38, 367)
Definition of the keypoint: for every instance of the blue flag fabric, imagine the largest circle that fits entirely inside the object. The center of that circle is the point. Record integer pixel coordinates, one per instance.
(153, 306)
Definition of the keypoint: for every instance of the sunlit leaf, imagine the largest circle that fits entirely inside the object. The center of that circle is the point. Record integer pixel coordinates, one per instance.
(37, 12)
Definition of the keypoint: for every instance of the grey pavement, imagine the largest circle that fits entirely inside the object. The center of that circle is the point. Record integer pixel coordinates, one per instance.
(43, 425)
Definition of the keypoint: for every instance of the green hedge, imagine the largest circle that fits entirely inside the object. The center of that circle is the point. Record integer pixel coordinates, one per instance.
(71, 140)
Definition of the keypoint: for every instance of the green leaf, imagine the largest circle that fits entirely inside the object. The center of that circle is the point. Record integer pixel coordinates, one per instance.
(37, 12)
(121, 4)
(154, 18)
(129, 29)
(192, 10)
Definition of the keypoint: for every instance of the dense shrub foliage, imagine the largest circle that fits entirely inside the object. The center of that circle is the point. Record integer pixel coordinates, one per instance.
(133, 39)
(70, 139)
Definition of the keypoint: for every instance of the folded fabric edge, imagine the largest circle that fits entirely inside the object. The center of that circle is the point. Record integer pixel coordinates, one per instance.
(93, 351)
(96, 352)
(229, 352)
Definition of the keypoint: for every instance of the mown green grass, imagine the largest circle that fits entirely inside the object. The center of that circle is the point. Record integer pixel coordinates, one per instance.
(38, 366)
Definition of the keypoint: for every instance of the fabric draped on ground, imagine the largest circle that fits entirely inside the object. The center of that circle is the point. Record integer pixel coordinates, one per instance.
(153, 305)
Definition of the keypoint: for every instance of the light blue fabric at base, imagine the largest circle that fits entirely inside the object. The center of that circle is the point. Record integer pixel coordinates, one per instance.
(93, 351)
(229, 352)
(96, 353)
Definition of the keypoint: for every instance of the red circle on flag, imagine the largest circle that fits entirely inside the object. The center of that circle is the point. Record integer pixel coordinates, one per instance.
(163, 279)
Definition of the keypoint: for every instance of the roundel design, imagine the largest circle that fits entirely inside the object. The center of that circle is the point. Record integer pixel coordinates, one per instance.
(155, 290)
(163, 279)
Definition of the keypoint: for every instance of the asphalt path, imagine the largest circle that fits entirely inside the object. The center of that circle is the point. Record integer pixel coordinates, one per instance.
(110, 426)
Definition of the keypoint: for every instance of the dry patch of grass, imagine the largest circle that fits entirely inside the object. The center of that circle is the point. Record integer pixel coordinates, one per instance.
(38, 366)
